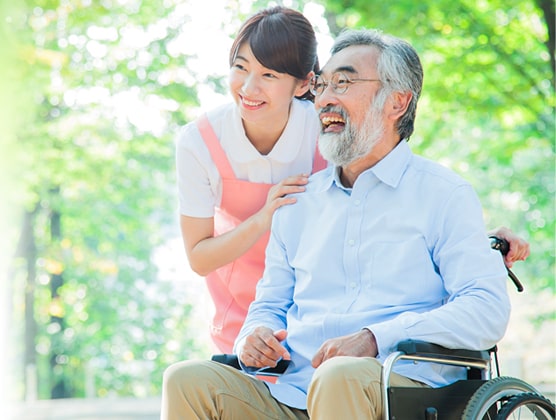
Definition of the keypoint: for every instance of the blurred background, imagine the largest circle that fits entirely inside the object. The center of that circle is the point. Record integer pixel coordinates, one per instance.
(97, 298)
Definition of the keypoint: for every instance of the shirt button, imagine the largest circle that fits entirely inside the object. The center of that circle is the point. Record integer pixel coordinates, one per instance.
(351, 242)
(352, 285)
(357, 202)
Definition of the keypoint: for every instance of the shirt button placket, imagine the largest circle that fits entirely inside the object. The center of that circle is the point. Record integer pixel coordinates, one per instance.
(352, 265)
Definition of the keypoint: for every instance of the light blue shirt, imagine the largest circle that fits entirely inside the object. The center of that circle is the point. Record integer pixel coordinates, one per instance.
(403, 253)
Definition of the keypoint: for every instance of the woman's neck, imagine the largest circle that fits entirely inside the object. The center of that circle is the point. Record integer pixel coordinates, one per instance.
(264, 136)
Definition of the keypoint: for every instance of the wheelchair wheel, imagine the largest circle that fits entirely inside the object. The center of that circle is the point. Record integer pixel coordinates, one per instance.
(528, 405)
(487, 401)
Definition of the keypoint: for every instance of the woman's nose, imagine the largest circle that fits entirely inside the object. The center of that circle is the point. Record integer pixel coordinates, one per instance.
(250, 84)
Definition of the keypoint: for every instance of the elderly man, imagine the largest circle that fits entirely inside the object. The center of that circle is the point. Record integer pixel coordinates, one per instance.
(382, 246)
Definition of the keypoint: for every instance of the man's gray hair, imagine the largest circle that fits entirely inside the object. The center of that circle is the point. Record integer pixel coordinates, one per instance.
(399, 67)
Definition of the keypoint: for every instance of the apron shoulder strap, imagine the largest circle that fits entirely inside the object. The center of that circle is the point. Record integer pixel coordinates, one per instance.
(215, 148)
(319, 162)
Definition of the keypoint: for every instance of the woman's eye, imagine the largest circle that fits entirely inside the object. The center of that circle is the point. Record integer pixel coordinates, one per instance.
(270, 75)
(239, 66)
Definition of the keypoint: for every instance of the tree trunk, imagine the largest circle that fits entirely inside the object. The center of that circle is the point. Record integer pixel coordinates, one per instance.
(27, 251)
(548, 9)
(59, 387)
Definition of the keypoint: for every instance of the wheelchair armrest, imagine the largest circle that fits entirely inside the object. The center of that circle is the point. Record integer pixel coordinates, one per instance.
(425, 349)
(233, 361)
(227, 359)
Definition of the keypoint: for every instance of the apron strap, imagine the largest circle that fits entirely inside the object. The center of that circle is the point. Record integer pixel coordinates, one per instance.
(318, 161)
(215, 148)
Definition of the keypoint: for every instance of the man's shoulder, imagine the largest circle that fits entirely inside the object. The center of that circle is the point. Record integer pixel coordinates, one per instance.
(320, 180)
(308, 200)
(437, 171)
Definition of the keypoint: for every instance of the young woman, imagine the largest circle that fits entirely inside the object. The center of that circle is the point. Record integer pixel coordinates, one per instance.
(236, 163)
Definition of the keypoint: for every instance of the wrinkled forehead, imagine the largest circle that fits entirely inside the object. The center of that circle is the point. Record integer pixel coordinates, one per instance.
(358, 60)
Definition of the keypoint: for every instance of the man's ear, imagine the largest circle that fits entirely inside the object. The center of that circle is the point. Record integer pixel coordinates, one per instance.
(303, 85)
(400, 102)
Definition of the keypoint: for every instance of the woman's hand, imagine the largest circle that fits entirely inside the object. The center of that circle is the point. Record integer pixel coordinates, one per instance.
(519, 247)
(278, 196)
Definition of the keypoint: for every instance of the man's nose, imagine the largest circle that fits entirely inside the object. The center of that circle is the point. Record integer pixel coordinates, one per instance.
(326, 98)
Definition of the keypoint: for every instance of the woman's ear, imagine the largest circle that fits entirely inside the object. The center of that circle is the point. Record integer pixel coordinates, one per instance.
(303, 85)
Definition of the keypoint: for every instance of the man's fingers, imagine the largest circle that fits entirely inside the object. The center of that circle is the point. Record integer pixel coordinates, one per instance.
(263, 348)
(323, 353)
(317, 359)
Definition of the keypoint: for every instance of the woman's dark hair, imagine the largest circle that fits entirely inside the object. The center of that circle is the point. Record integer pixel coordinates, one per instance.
(281, 39)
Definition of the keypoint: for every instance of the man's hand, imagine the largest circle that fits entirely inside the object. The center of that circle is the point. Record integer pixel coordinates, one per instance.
(359, 344)
(262, 348)
(519, 247)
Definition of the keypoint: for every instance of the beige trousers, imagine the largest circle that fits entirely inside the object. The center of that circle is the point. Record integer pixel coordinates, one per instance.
(342, 388)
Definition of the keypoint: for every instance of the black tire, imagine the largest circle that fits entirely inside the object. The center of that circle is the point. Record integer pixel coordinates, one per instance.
(527, 406)
(485, 403)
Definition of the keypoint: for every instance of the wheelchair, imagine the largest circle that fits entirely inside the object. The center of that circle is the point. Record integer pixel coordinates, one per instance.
(481, 396)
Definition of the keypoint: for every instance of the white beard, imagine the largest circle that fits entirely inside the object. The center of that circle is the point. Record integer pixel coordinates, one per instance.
(352, 143)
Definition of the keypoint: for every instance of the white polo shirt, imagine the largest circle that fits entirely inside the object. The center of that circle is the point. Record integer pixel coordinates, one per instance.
(199, 182)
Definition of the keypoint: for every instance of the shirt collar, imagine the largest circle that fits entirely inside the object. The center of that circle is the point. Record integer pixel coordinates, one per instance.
(389, 170)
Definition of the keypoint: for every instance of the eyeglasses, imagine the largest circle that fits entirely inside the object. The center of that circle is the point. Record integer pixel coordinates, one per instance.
(339, 83)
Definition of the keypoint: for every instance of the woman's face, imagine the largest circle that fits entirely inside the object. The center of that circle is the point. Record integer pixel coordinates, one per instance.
(262, 94)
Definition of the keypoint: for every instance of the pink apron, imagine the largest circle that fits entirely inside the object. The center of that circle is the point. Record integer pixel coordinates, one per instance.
(232, 287)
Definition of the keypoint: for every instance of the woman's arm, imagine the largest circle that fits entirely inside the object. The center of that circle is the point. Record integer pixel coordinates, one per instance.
(519, 247)
(207, 252)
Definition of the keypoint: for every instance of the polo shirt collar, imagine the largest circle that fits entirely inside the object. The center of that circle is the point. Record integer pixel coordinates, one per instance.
(284, 151)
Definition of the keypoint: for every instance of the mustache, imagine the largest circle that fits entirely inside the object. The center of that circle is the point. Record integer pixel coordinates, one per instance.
(334, 109)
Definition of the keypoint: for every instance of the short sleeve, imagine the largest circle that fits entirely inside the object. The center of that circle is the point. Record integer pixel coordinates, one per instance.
(198, 181)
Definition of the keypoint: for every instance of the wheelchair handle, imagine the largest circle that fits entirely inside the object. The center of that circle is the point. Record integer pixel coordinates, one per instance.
(504, 247)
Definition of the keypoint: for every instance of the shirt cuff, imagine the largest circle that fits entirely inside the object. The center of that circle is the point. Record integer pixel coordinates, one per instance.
(387, 336)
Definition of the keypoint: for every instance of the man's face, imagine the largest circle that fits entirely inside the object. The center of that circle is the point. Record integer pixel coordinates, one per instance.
(351, 121)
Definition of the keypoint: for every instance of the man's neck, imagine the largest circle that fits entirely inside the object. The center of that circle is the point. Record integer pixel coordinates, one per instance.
(350, 173)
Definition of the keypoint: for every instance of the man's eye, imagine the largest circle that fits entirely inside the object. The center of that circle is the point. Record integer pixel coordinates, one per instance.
(342, 82)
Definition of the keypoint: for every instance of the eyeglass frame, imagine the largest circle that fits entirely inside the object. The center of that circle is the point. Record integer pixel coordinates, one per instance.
(338, 74)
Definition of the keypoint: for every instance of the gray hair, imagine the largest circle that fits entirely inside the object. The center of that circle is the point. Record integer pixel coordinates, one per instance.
(399, 68)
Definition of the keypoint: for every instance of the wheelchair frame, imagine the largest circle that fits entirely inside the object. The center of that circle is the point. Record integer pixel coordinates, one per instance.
(446, 406)
(480, 396)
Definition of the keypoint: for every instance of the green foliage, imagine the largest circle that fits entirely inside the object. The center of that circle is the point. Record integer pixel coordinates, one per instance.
(110, 176)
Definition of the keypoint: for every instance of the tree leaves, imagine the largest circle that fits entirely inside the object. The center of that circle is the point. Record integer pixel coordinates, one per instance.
(107, 100)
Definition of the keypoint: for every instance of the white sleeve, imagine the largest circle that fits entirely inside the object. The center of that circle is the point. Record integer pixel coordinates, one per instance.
(198, 180)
